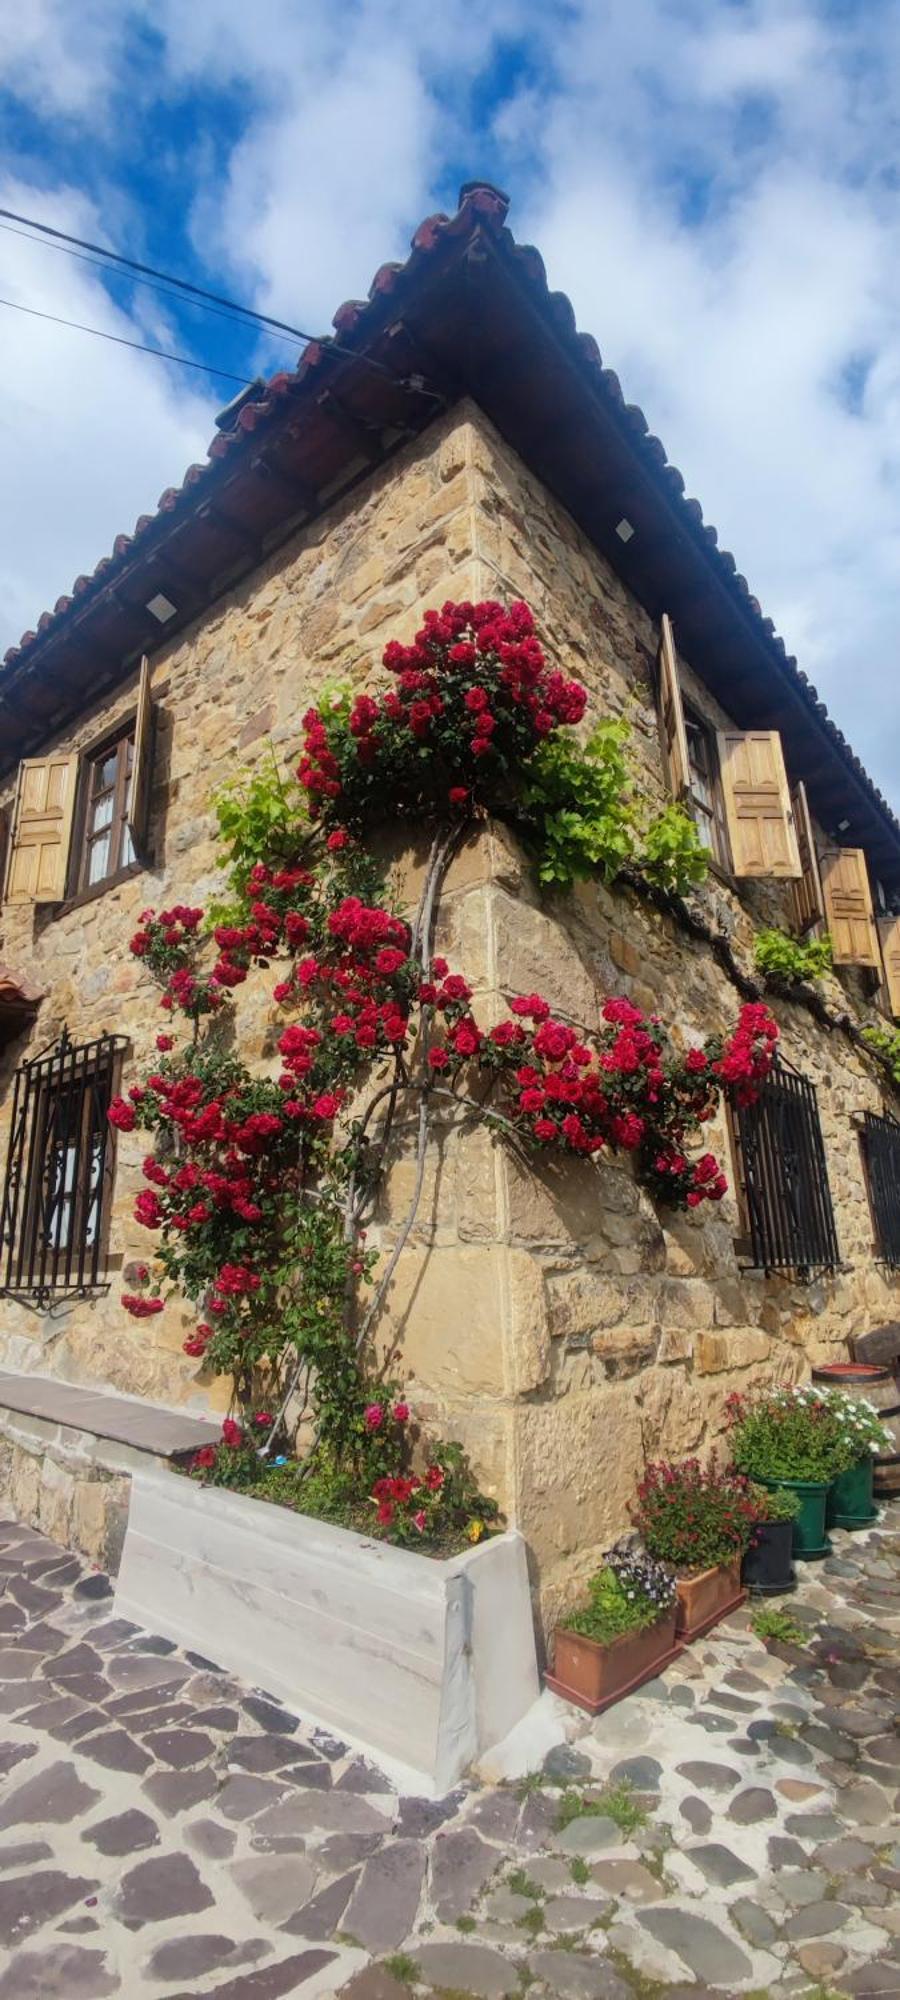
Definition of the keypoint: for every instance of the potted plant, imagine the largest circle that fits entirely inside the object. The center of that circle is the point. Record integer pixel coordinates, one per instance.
(623, 1636)
(767, 1569)
(850, 1502)
(791, 1438)
(698, 1520)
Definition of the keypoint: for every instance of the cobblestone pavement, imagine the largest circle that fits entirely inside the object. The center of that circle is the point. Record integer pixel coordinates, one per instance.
(166, 1831)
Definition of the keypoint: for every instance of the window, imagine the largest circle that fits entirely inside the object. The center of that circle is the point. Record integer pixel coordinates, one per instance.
(106, 842)
(734, 781)
(783, 1178)
(58, 1172)
(80, 821)
(705, 796)
(881, 1152)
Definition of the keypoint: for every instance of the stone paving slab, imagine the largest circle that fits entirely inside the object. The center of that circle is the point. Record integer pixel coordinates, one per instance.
(167, 1831)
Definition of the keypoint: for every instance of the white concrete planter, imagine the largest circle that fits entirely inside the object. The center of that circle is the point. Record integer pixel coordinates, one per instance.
(425, 1664)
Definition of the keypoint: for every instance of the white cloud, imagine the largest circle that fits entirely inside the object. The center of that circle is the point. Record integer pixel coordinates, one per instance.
(734, 318)
(90, 434)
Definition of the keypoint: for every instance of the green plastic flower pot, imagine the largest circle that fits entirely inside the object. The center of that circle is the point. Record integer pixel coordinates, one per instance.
(810, 1539)
(850, 1502)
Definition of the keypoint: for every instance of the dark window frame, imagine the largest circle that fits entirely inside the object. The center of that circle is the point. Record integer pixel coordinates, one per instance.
(56, 1200)
(782, 1184)
(880, 1145)
(118, 743)
(705, 796)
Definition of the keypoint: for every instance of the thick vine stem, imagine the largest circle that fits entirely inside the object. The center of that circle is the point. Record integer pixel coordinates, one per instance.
(443, 848)
(443, 851)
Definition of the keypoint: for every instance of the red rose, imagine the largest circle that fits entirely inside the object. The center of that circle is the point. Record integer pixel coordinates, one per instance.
(232, 1434)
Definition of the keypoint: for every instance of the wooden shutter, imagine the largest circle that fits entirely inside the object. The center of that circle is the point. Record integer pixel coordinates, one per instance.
(848, 907)
(889, 936)
(758, 804)
(4, 847)
(671, 713)
(39, 853)
(809, 902)
(142, 766)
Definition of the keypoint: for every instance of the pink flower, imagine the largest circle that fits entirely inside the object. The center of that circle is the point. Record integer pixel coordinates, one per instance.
(400, 1413)
(373, 1416)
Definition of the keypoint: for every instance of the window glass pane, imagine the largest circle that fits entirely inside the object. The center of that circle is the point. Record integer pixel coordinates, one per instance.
(98, 859)
(101, 813)
(105, 771)
(128, 854)
(61, 1180)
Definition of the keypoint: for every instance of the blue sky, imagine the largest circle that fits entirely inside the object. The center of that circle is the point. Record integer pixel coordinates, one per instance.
(713, 182)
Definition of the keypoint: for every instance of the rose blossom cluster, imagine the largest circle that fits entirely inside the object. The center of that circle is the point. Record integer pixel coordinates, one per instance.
(404, 1493)
(472, 695)
(169, 945)
(625, 1088)
(747, 1056)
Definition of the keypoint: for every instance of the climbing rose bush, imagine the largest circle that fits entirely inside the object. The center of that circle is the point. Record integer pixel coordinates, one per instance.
(259, 1187)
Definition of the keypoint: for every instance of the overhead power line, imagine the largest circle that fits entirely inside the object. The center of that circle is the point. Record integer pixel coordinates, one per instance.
(162, 353)
(60, 239)
(163, 287)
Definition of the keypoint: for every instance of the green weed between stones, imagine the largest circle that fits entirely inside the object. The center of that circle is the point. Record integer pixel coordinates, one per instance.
(533, 1920)
(402, 1967)
(465, 1924)
(522, 1885)
(771, 1623)
(615, 1802)
(579, 1870)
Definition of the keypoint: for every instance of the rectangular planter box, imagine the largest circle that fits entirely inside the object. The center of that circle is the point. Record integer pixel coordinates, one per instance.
(594, 1675)
(706, 1598)
(424, 1664)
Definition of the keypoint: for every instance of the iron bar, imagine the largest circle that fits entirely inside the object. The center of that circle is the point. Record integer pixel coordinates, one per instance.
(54, 1201)
(790, 1212)
(881, 1149)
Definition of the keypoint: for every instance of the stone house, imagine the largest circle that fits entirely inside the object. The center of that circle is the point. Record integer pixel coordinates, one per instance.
(457, 438)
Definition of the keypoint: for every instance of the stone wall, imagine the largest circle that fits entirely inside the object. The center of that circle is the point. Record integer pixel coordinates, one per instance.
(236, 680)
(553, 1321)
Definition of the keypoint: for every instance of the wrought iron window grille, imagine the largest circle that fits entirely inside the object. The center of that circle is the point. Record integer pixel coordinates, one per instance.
(58, 1173)
(784, 1174)
(881, 1154)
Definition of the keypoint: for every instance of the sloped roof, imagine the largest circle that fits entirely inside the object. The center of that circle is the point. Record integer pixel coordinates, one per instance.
(470, 312)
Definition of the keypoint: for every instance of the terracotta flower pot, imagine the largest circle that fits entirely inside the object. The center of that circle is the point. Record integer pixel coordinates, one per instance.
(594, 1675)
(706, 1597)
